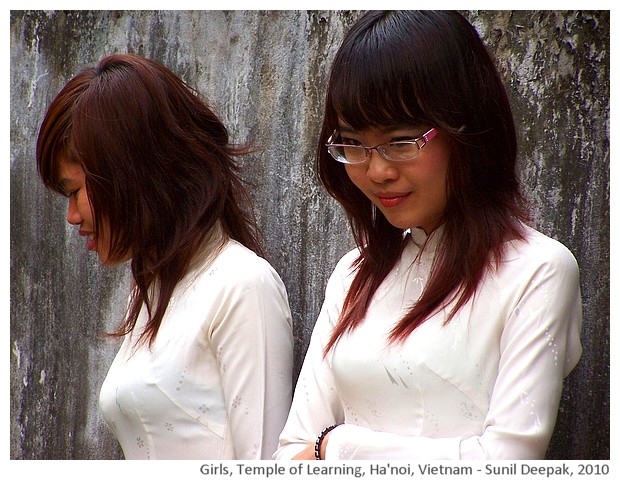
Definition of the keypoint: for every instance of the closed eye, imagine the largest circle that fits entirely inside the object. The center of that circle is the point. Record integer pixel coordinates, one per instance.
(403, 144)
(71, 193)
(350, 141)
(403, 139)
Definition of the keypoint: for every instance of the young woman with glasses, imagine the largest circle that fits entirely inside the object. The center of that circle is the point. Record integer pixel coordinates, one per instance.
(205, 368)
(448, 331)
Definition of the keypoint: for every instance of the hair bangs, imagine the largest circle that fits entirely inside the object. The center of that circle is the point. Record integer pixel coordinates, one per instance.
(371, 85)
(55, 142)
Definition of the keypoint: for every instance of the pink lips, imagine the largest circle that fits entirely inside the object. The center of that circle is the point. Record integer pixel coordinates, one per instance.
(90, 243)
(392, 199)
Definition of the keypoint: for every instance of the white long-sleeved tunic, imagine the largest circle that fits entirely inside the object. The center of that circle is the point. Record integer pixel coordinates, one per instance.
(487, 385)
(216, 384)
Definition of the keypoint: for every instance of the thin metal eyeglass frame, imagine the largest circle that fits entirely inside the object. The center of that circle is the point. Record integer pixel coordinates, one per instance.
(426, 137)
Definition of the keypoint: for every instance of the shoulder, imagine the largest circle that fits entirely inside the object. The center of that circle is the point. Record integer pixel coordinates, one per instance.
(340, 279)
(236, 266)
(539, 245)
(537, 252)
(345, 268)
(235, 254)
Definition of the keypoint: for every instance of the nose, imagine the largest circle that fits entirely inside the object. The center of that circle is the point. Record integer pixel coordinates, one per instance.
(380, 170)
(73, 214)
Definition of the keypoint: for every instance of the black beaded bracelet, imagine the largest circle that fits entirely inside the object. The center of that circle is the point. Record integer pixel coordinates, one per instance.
(319, 440)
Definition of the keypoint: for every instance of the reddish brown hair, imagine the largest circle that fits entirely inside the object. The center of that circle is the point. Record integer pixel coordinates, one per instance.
(159, 171)
(428, 68)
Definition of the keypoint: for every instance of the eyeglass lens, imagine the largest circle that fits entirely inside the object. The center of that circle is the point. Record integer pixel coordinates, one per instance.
(399, 151)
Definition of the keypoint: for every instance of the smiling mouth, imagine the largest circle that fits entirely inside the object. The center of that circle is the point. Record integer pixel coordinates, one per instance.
(91, 241)
(392, 200)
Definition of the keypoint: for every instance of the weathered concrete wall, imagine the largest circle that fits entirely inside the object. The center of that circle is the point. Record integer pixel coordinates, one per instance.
(265, 73)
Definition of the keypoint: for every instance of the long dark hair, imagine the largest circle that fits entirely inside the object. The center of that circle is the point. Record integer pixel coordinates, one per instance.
(430, 68)
(159, 168)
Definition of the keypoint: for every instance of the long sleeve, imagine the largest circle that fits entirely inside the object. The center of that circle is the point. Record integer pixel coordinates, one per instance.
(485, 386)
(316, 403)
(253, 343)
(539, 345)
(216, 383)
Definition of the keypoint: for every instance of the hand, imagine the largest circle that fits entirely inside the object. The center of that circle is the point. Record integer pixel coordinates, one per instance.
(308, 452)
(324, 445)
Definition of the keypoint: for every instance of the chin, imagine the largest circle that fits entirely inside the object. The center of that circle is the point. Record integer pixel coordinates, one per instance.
(106, 261)
(399, 223)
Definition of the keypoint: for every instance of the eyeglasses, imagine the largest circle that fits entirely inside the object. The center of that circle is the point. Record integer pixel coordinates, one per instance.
(398, 151)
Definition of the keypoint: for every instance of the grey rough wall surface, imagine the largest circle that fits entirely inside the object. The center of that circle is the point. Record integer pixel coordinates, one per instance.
(265, 73)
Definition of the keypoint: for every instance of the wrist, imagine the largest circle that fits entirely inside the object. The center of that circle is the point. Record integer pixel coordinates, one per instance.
(320, 445)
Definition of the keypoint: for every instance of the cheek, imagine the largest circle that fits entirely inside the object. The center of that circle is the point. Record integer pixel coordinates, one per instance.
(440, 176)
(356, 175)
(437, 173)
(438, 193)
(85, 207)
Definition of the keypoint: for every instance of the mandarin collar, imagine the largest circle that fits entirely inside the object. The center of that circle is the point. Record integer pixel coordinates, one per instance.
(420, 238)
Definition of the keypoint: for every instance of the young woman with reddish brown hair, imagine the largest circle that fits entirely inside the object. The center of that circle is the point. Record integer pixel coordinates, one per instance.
(205, 367)
(448, 331)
